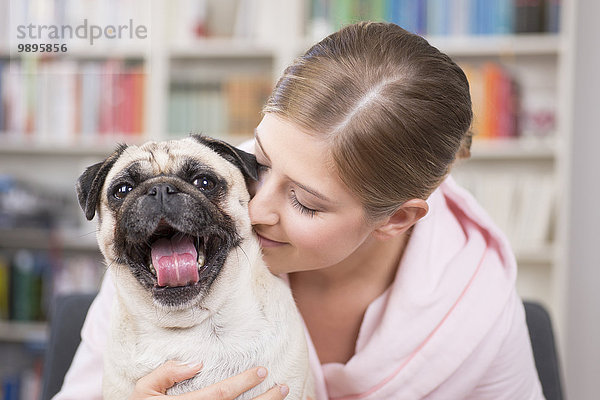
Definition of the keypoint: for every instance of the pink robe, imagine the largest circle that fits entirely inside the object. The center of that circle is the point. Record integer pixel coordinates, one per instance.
(451, 326)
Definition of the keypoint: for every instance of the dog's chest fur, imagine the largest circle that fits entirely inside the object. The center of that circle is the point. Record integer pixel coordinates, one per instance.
(243, 334)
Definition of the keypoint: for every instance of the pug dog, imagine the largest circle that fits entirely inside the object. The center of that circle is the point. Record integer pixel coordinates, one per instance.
(174, 228)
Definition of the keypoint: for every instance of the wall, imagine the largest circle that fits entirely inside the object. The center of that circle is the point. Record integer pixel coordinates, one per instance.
(582, 347)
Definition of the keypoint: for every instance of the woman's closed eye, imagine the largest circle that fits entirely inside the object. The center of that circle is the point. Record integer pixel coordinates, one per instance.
(262, 169)
(302, 208)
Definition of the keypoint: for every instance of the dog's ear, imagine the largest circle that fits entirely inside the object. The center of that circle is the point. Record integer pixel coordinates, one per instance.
(246, 162)
(91, 181)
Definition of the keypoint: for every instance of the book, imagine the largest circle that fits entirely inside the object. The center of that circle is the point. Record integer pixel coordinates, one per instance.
(4, 288)
(552, 15)
(495, 101)
(245, 97)
(529, 16)
(139, 100)
(25, 297)
(522, 204)
(475, 78)
(441, 17)
(438, 12)
(11, 385)
(535, 194)
(90, 99)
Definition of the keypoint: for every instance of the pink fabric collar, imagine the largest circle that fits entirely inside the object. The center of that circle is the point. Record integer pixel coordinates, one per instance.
(455, 276)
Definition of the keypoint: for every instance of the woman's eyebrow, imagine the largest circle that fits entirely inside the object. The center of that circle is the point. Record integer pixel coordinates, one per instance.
(312, 191)
(300, 185)
(260, 145)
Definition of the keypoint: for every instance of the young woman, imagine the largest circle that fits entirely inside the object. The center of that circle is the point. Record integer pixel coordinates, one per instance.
(405, 284)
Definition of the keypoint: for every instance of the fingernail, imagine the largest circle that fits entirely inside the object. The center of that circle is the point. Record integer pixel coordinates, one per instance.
(284, 390)
(190, 365)
(261, 372)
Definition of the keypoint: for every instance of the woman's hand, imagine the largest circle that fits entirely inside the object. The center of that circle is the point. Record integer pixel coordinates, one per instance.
(154, 385)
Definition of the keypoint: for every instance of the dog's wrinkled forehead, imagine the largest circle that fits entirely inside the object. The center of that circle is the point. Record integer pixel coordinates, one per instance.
(170, 158)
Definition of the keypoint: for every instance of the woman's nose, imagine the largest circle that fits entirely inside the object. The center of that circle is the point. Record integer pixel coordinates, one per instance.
(263, 205)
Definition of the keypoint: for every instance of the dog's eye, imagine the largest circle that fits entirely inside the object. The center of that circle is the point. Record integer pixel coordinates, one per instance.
(204, 183)
(121, 191)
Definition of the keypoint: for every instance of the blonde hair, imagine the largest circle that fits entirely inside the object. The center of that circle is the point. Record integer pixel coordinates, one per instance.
(395, 111)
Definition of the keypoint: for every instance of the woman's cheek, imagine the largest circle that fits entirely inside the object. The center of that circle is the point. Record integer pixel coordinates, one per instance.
(306, 234)
(319, 242)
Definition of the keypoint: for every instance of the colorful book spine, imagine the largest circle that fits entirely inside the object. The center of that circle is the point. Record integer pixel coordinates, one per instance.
(66, 101)
(4, 288)
(529, 16)
(231, 107)
(552, 16)
(446, 17)
(26, 285)
(494, 94)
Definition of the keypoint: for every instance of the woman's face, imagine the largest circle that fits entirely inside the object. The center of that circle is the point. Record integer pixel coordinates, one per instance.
(305, 217)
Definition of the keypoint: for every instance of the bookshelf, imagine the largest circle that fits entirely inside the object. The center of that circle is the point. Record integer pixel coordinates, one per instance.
(185, 66)
(233, 49)
(514, 149)
(37, 238)
(23, 332)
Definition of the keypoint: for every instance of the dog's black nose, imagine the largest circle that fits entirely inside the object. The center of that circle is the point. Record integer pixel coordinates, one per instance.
(162, 191)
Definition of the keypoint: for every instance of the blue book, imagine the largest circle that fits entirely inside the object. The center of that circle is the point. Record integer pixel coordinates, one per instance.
(10, 387)
(413, 16)
(552, 16)
(473, 17)
(503, 17)
(392, 11)
(407, 15)
(438, 17)
(421, 17)
(487, 13)
(478, 17)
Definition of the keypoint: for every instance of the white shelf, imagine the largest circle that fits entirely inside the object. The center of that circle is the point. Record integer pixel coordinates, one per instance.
(96, 145)
(95, 52)
(45, 239)
(514, 149)
(504, 45)
(17, 331)
(221, 48)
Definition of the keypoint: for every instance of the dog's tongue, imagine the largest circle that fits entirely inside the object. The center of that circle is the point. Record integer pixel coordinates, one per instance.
(175, 261)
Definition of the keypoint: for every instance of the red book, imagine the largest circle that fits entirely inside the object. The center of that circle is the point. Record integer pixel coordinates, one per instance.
(106, 120)
(506, 118)
(138, 100)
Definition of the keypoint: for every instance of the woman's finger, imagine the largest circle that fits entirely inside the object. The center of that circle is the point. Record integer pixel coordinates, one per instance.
(229, 388)
(275, 393)
(165, 376)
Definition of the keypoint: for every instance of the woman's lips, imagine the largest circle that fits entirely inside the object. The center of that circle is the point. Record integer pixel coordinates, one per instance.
(264, 242)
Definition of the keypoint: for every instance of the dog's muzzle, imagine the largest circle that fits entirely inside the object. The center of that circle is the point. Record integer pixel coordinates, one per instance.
(174, 240)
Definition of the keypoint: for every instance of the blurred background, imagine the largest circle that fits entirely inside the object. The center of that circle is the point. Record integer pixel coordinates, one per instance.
(131, 70)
